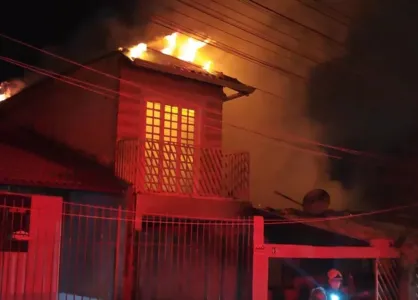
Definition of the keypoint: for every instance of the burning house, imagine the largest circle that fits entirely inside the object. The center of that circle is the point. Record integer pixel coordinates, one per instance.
(138, 131)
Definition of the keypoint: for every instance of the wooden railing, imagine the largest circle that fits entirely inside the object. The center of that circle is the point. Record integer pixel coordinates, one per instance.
(172, 168)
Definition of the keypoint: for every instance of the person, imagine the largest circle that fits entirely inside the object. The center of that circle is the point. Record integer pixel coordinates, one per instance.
(318, 293)
(333, 289)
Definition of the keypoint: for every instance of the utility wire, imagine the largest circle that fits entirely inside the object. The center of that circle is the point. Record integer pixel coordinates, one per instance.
(103, 91)
(267, 222)
(273, 28)
(240, 221)
(297, 140)
(314, 8)
(264, 8)
(255, 34)
(163, 22)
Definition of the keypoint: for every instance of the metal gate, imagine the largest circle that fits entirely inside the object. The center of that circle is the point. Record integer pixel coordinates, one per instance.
(183, 258)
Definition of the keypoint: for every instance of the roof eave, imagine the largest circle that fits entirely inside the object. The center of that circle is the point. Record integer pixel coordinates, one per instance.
(243, 89)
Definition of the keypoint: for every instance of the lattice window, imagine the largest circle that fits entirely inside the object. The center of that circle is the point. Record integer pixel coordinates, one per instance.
(187, 139)
(152, 145)
(169, 152)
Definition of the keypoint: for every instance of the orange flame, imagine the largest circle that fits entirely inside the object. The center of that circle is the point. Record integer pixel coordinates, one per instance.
(172, 41)
(4, 91)
(138, 50)
(186, 49)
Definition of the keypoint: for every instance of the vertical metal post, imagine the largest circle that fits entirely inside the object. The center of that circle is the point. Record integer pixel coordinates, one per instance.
(117, 254)
(376, 278)
(260, 262)
(131, 218)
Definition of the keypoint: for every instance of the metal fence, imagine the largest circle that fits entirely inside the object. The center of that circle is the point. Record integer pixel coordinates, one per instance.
(82, 252)
(172, 168)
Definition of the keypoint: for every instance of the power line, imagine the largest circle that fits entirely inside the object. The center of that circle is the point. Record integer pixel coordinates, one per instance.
(345, 217)
(237, 221)
(273, 28)
(114, 77)
(90, 87)
(332, 8)
(268, 222)
(272, 11)
(295, 140)
(163, 22)
(205, 11)
(312, 7)
(290, 141)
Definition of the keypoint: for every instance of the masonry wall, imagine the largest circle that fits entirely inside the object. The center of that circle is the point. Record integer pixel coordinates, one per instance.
(79, 118)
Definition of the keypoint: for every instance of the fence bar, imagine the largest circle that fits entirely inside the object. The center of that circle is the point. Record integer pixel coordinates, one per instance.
(171, 168)
(260, 262)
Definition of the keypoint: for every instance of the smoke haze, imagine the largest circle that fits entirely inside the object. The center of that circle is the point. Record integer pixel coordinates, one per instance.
(371, 105)
(358, 92)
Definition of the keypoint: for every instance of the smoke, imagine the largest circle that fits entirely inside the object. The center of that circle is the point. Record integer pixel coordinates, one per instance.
(122, 24)
(366, 100)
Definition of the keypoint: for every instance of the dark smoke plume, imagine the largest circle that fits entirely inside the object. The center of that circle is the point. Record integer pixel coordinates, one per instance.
(367, 100)
(119, 25)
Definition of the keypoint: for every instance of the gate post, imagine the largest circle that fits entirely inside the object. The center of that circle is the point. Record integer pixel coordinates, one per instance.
(130, 216)
(260, 262)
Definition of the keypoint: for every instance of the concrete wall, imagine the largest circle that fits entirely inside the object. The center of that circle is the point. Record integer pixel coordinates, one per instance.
(30, 265)
(82, 119)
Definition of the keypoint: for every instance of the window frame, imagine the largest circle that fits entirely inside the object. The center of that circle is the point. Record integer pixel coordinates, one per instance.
(159, 185)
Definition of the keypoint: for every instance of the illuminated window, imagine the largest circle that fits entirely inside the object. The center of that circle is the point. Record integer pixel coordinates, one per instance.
(169, 148)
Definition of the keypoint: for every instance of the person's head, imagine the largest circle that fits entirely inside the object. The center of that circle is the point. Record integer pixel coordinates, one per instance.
(335, 279)
(318, 294)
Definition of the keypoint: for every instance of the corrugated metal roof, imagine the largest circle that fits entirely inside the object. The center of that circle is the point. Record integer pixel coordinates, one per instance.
(171, 65)
(26, 159)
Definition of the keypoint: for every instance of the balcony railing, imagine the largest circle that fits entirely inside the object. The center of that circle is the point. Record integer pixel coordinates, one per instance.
(171, 168)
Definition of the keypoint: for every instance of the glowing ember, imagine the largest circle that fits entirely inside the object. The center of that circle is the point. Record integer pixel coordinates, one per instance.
(182, 47)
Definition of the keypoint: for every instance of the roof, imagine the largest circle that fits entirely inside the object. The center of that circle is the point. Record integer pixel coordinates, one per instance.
(171, 65)
(341, 223)
(308, 233)
(29, 159)
(363, 229)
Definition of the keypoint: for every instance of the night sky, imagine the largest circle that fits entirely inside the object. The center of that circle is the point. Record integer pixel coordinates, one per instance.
(40, 23)
(364, 98)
